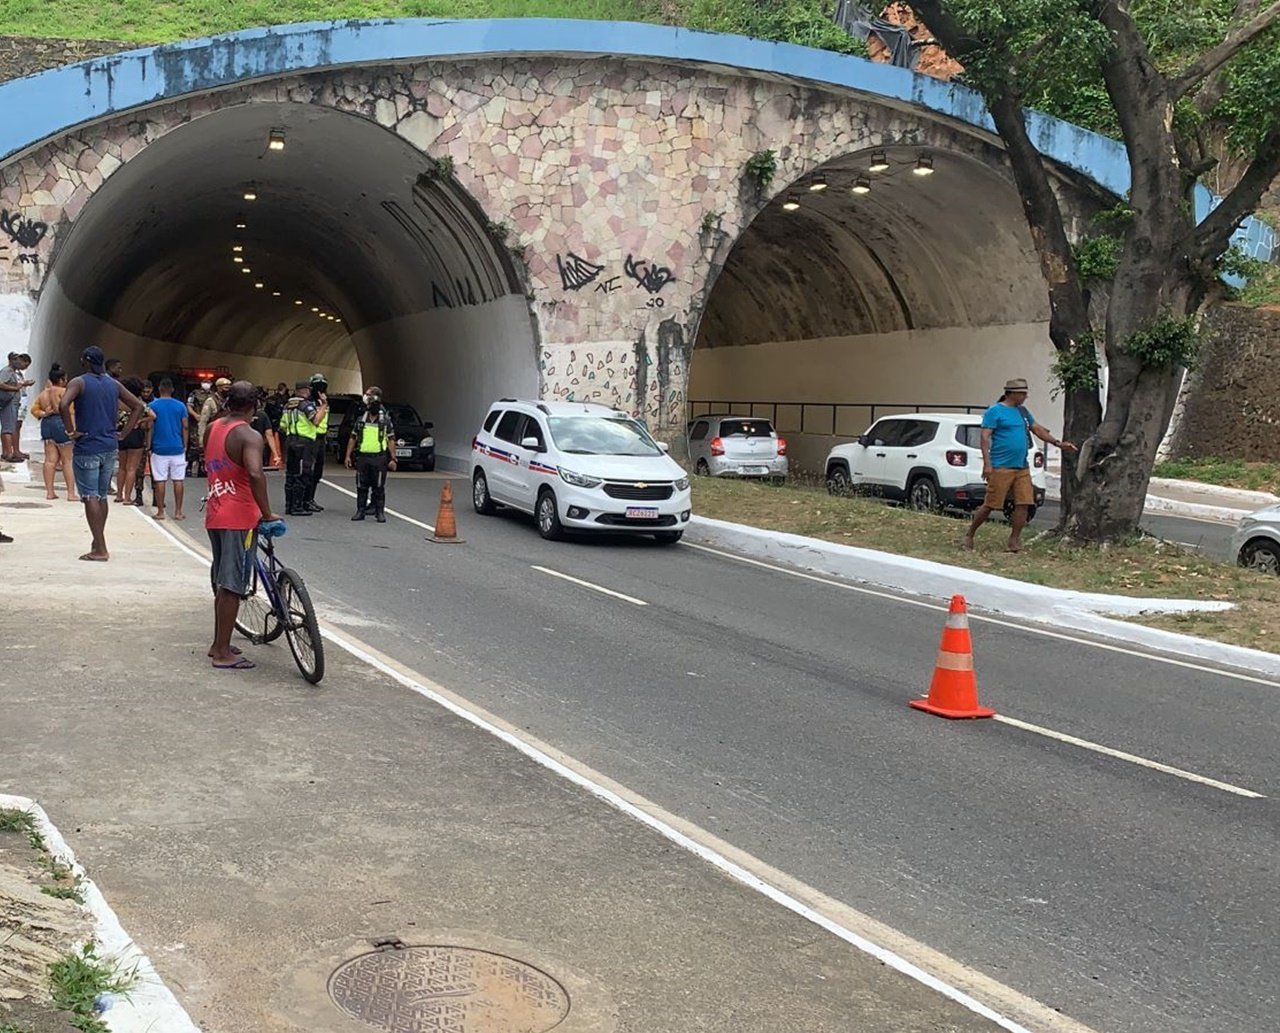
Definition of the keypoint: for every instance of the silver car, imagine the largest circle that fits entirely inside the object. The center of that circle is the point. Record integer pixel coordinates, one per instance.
(723, 445)
(1256, 543)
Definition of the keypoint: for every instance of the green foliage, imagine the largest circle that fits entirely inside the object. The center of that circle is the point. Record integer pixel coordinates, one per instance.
(711, 221)
(1166, 343)
(439, 168)
(761, 167)
(24, 822)
(806, 22)
(1097, 258)
(1262, 288)
(1231, 473)
(77, 979)
(1077, 369)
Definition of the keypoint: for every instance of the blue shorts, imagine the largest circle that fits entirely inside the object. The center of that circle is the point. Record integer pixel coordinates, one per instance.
(93, 474)
(53, 429)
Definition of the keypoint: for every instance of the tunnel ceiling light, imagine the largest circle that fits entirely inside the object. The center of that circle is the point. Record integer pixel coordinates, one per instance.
(275, 141)
(237, 248)
(241, 226)
(879, 162)
(861, 185)
(818, 184)
(250, 193)
(924, 165)
(275, 294)
(245, 269)
(790, 204)
(259, 285)
(298, 302)
(237, 259)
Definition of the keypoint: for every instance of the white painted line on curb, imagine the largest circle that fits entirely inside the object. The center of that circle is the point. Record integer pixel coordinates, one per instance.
(149, 1004)
(589, 584)
(1155, 765)
(389, 512)
(720, 855)
(1028, 628)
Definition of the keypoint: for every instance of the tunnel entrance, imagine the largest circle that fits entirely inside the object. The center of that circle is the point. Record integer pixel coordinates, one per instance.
(892, 278)
(284, 239)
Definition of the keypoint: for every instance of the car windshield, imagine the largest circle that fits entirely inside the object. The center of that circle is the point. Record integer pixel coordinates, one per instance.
(745, 429)
(601, 436)
(403, 415)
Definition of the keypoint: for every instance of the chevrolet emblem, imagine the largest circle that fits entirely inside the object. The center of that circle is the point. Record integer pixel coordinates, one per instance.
(640, 484)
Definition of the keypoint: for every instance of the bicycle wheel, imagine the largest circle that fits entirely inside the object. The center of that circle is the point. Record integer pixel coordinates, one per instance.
(257, 619)
(301, 628)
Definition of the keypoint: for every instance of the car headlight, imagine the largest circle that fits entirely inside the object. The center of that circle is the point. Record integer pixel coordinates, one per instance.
(427, 443)
(682, 484)
(579, 480)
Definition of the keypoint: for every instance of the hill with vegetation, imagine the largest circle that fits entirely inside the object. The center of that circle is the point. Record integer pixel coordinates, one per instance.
(806, 22)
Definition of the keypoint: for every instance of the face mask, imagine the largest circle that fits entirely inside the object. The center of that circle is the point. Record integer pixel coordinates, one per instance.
(204, 386)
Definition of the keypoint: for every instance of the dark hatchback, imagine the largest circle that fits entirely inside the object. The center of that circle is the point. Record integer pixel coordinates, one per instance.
(415, 443)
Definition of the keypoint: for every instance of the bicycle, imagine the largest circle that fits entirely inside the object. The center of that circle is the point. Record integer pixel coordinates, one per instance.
(278, 603)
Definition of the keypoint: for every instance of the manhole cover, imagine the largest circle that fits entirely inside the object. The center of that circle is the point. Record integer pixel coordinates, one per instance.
(25, 505)
(447, 990)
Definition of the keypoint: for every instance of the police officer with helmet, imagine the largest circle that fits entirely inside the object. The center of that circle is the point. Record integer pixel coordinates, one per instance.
(319, 387)
(372, 443)
(298, 425)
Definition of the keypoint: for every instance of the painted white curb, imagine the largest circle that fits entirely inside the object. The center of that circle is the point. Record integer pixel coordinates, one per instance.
(1179, 507)
(1257, 499)
(150, 1006)
(1058, 608)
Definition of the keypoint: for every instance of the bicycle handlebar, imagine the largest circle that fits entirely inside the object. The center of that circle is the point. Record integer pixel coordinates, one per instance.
(272, 528)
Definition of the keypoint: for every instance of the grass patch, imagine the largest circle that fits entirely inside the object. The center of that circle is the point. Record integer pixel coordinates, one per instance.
(63, 882)
(161, 21)
(1146, 567)
(9, 1027)
(78, 979)
(1230, 473)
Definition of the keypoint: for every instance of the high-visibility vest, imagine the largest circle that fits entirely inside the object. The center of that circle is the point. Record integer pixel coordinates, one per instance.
(322, 428)
(373, 437)
(295, 423)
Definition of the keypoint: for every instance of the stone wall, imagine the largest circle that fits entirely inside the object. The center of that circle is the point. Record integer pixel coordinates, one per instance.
(22, 55)
(1233, 402)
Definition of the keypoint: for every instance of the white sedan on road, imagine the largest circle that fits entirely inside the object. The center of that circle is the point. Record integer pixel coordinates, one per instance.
(1256, 543)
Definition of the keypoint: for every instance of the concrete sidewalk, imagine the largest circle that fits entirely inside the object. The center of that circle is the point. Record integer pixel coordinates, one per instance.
(254, 833)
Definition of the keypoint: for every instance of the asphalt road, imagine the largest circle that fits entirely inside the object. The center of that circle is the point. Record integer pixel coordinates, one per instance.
(771, 710)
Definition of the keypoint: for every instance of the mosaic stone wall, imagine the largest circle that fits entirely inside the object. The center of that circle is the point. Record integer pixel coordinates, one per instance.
(621, 184)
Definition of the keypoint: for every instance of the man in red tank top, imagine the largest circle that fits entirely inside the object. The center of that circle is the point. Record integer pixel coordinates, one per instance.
(237, 501)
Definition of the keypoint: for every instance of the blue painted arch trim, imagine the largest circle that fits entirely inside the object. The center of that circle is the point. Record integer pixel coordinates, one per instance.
(46, 105)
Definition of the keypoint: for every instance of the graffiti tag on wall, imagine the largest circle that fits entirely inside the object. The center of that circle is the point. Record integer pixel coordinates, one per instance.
(21, 230)
(577, 272)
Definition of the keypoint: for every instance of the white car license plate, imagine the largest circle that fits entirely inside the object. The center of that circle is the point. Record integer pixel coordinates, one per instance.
(403, 452)
(755, 469)
(642, 512)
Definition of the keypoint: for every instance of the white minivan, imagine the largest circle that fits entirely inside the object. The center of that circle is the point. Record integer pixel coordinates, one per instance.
(578, 466)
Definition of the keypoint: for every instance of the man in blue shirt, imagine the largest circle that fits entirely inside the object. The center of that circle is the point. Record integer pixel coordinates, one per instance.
(89, 408)
(168, 448)
(1006, 439)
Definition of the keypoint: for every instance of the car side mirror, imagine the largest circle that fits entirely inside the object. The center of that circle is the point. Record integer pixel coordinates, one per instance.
(663, 445)
(429, 425)
(864, 440)
(531, 443)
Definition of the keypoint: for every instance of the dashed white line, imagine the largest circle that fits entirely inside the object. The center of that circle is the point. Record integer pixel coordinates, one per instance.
(591, 585)
(1155, 765)
(389, 512)
(1028, 628)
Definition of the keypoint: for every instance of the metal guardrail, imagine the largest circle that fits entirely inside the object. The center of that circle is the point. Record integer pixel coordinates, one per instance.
(839, 419)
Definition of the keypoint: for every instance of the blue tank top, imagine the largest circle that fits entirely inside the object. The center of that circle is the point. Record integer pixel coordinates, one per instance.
(96, 410)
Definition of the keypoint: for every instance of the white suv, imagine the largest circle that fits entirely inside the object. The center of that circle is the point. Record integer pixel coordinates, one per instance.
(578, 466)
(927, 460)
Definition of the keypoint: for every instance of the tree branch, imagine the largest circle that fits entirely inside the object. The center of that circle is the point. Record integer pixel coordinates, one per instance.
(1213, 59)
(1210, 238)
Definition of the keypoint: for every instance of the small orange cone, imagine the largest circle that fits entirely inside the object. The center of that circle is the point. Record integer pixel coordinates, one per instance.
(954, 689)
(446, 532)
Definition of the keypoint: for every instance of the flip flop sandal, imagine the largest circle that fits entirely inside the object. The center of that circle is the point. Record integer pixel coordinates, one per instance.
(240, 663)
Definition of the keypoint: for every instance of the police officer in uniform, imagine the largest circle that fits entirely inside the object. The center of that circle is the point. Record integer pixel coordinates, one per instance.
(373, 444)
(298, 425)
(319, 387)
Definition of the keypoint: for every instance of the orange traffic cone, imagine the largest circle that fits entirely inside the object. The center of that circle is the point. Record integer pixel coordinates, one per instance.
(954, 689)
(446, 532)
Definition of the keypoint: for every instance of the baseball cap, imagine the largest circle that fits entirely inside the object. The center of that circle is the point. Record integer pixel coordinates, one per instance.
(93, 356)
(221, 381)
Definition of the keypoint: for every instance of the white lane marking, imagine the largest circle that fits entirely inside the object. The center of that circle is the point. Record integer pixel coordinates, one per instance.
(389, 512)
(1155, 765)
(588, 584)
(1028, 628)
(719, 854)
